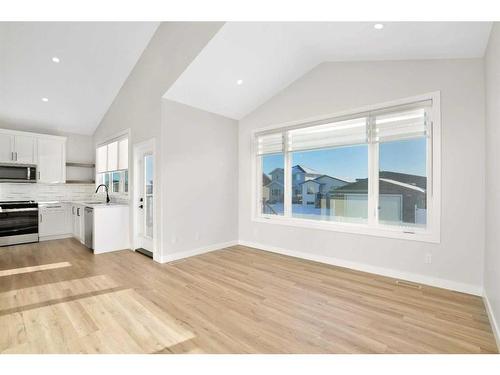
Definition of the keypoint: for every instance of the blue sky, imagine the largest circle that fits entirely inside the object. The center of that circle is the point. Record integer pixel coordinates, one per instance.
(352, 162)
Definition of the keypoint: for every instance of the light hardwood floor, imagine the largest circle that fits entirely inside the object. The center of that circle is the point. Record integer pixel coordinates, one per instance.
(56, 297)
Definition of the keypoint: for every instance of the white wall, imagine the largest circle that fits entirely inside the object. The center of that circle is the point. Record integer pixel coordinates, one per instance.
(492, 255)
(457, 262)
(138, 104)
(200, 188)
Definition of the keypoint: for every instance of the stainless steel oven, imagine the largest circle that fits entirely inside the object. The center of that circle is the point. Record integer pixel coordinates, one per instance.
(17, 172)
(18, 222)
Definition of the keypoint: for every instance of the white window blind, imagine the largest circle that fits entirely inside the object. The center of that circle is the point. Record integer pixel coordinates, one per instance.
(102, 159)
(401, 125)
(123, 154)
(270, 143)
(113, 156)
(348, 132)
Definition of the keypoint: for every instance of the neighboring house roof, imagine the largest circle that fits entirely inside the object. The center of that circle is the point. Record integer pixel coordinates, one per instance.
(408, 186)
(413, 183)
(306, 169)
(274, 183)
(323, 177)
(265, 179)
(276, 170)
(411, 179)
(314, 180)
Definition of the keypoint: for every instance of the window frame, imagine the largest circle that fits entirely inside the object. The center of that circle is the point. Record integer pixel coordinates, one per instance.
(432, 232)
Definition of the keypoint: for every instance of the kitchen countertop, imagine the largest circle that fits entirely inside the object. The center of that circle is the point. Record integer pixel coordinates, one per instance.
(92, 204)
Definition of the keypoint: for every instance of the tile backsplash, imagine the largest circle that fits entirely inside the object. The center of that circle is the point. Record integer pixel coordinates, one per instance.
(46, 192)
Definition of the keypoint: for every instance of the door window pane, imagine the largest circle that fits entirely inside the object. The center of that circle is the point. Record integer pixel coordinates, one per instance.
(272, 184)
(403, 182)
(331, 184)
(148, 180)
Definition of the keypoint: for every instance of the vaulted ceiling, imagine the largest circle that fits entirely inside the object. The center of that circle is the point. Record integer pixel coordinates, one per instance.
(247, 63)
(95, 58)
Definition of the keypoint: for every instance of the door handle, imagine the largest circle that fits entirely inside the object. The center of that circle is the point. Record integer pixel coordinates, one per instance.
(141, 206)
(78, 211)
(41, 218)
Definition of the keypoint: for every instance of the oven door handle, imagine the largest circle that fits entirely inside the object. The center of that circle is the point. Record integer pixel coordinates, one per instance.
(18, 210)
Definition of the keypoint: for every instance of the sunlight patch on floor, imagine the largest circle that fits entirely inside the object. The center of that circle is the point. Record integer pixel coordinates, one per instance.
(116, 322)
(45, 293)
(42, 267)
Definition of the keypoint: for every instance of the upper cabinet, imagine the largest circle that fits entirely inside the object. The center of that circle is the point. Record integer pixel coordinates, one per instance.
(51, 160)
(17, 148)
(47, 152)
(24, 149)
(6, 148)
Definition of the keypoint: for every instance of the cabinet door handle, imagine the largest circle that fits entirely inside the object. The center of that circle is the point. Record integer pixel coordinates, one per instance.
(12, 155)
(41, 218)
(73, 210)
(16, 155)
(39, 175)
(78, 211)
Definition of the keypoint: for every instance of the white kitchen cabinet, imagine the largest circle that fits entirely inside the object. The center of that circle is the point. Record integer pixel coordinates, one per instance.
(48, 152)
(77, 212)
(24, 149)
(53, 221)
(51, 160)
(110, 229)
(6, 148)
(17, 147)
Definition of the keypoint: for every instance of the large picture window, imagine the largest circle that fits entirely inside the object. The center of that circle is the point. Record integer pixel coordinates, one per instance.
(369, 172)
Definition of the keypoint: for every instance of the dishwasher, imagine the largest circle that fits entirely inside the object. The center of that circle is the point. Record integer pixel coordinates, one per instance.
(89, 227)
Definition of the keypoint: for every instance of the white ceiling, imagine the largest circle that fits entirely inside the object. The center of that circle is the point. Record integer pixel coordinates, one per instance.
(96, 58)
(268, 56)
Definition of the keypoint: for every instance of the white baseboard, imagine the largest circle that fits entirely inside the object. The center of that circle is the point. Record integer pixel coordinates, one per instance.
(416, 278)
(198, 251)
(494, 324)
(56, 237)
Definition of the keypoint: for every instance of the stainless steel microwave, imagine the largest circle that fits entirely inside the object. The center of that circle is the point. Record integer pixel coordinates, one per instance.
(17, 172)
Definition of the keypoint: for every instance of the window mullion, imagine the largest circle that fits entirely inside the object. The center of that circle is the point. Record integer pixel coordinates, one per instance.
(287, 177)
(373, 168)
(258, 193)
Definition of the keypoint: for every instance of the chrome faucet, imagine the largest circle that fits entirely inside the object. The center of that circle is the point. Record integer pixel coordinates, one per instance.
(107, 195)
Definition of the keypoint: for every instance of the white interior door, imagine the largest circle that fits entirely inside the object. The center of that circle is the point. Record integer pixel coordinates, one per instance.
(144, 159)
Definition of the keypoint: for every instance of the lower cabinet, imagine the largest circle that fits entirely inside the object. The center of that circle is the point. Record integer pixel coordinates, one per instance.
(53, 221)
(77, 222)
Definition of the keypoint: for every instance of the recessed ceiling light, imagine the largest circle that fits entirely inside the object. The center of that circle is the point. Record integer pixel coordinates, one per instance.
(378, 26)
(56, 59)
(239, 82)
(45, 100)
